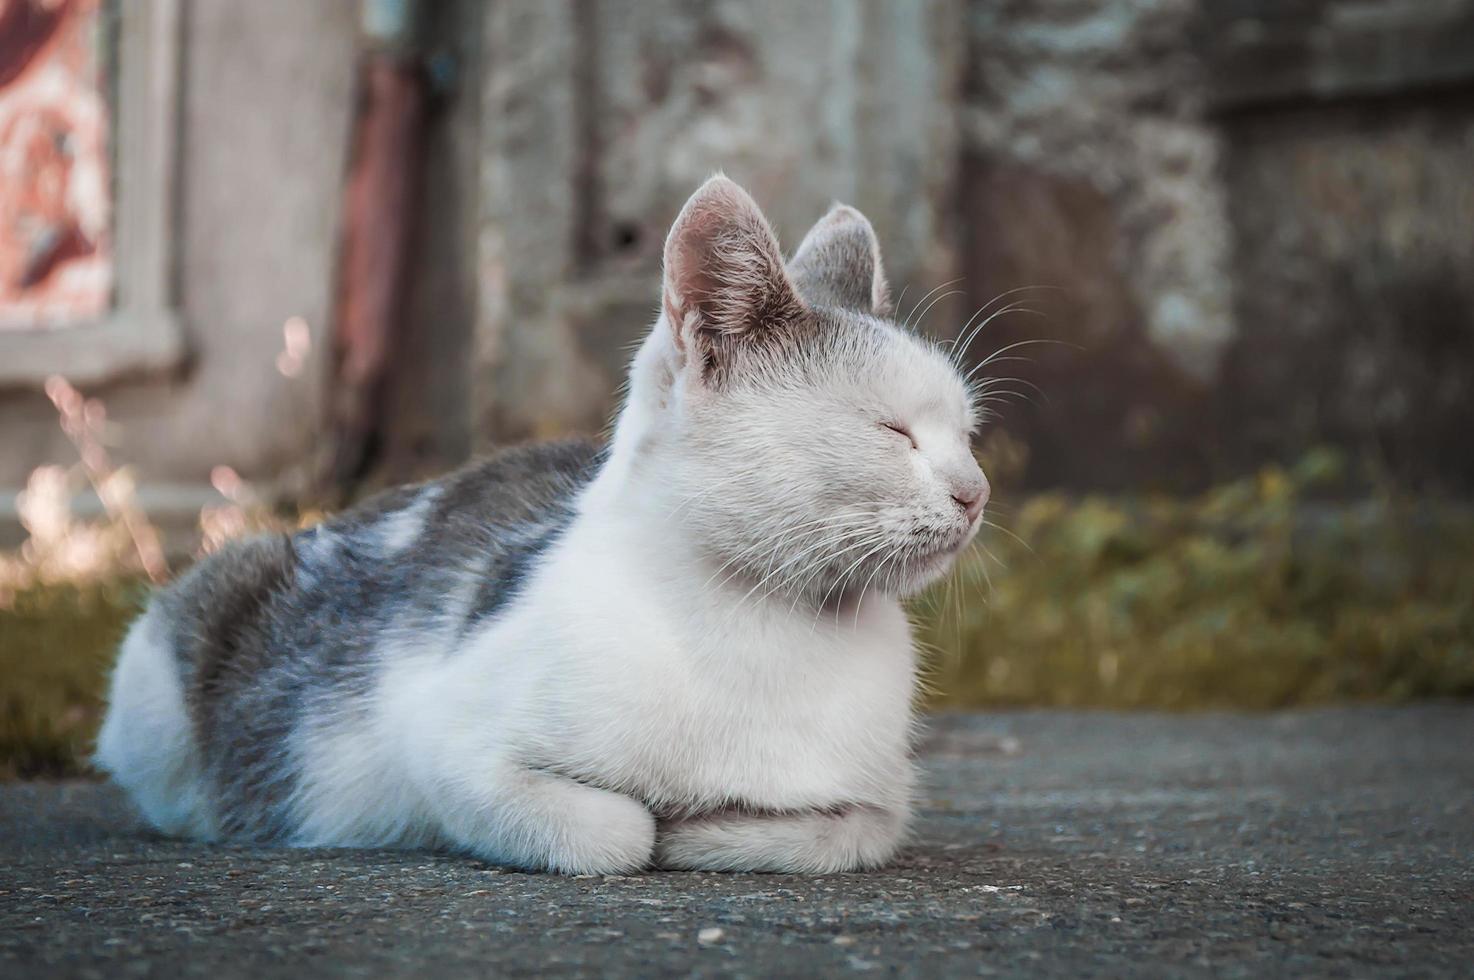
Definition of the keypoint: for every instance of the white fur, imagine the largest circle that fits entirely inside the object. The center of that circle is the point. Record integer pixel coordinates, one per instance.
(400, 529)
(685, 650)
(146, 742)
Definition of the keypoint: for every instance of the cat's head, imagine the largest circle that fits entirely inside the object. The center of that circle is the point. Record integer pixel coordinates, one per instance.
(807, 441)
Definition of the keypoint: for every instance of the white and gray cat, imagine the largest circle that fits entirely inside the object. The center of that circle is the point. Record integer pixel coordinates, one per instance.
(685, 649)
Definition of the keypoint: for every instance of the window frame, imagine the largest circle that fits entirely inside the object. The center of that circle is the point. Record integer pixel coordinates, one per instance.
(142, 332)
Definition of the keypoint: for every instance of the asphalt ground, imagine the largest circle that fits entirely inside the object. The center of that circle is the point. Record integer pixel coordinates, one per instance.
(1333, 842)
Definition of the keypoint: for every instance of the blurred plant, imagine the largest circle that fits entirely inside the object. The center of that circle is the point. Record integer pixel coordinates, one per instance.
(61, 548)
(84, 420)
(1252, 595)
(244, 512)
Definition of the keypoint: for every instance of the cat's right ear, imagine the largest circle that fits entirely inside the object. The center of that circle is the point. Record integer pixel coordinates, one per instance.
(838, 264)
(724, 273)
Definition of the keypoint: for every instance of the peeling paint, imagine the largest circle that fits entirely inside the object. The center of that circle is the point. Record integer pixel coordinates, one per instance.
(55, 201)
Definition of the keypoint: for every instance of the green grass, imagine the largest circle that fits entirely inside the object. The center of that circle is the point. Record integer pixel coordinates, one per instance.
(1253, 596)
(1256, 595)
(56, 643)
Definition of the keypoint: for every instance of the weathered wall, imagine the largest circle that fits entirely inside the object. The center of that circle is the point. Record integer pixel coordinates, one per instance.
(601, 117)
(1090, 170)
(1355, 271)
(427, 404)
(1258, 218)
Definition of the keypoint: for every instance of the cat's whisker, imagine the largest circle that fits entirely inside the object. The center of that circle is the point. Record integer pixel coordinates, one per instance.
(711, 488)
(954, 589)
(901, 298)
(1006, 398)
(1014, 346)
(764, 580)
(801, 588)
(812, 549)
(978, 330)
(922, 319)
(846, 531)
(985, 385)
(860, 596)
(987, 551)
(843, 580)
(906, 321)
(779, 584)
(987, 578)
(952, 343)
(1002, 396)
(964, 339)
(1004, 530)
(776, 542)
(1014, 357)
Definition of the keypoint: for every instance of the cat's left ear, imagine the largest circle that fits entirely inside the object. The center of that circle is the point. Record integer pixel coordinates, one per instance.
(838, 264)
(724, 276)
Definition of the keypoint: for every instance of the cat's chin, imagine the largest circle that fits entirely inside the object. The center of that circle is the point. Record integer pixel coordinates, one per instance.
(927, 569)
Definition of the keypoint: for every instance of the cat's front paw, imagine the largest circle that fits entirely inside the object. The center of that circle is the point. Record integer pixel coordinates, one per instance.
(606, 833)
(854, 838)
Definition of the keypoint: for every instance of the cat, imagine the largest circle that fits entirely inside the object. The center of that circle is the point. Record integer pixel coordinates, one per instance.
(685, 649)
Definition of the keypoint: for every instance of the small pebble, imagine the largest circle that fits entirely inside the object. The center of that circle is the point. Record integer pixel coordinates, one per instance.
(710, 935)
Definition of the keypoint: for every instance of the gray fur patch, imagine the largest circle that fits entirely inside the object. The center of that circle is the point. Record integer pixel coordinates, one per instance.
(237, 676)
(513, 570)
(838, 264)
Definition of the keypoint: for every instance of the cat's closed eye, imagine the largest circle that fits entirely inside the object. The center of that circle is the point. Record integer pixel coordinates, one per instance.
(900, 430)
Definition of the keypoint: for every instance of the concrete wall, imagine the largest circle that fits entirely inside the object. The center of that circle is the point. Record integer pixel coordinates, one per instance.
(600, 118)
(1258, 215)
(1089, 169)
(1355, 307)
(1250, 214)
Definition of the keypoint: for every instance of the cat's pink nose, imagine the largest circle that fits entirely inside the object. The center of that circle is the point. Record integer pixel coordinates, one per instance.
(972, 497)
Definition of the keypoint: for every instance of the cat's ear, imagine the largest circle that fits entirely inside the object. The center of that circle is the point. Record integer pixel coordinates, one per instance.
(838, 264)
(724, 273)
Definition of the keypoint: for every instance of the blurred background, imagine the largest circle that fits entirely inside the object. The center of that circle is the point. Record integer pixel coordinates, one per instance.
(259, 259)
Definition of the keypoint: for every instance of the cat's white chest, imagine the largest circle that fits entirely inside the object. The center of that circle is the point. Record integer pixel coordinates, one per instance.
(621, 670)
(762, 708)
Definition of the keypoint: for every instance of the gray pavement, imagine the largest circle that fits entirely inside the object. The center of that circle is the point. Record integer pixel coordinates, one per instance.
(1333, 842)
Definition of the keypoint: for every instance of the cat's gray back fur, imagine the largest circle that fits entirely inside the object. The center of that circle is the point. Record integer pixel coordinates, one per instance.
(279, 631)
